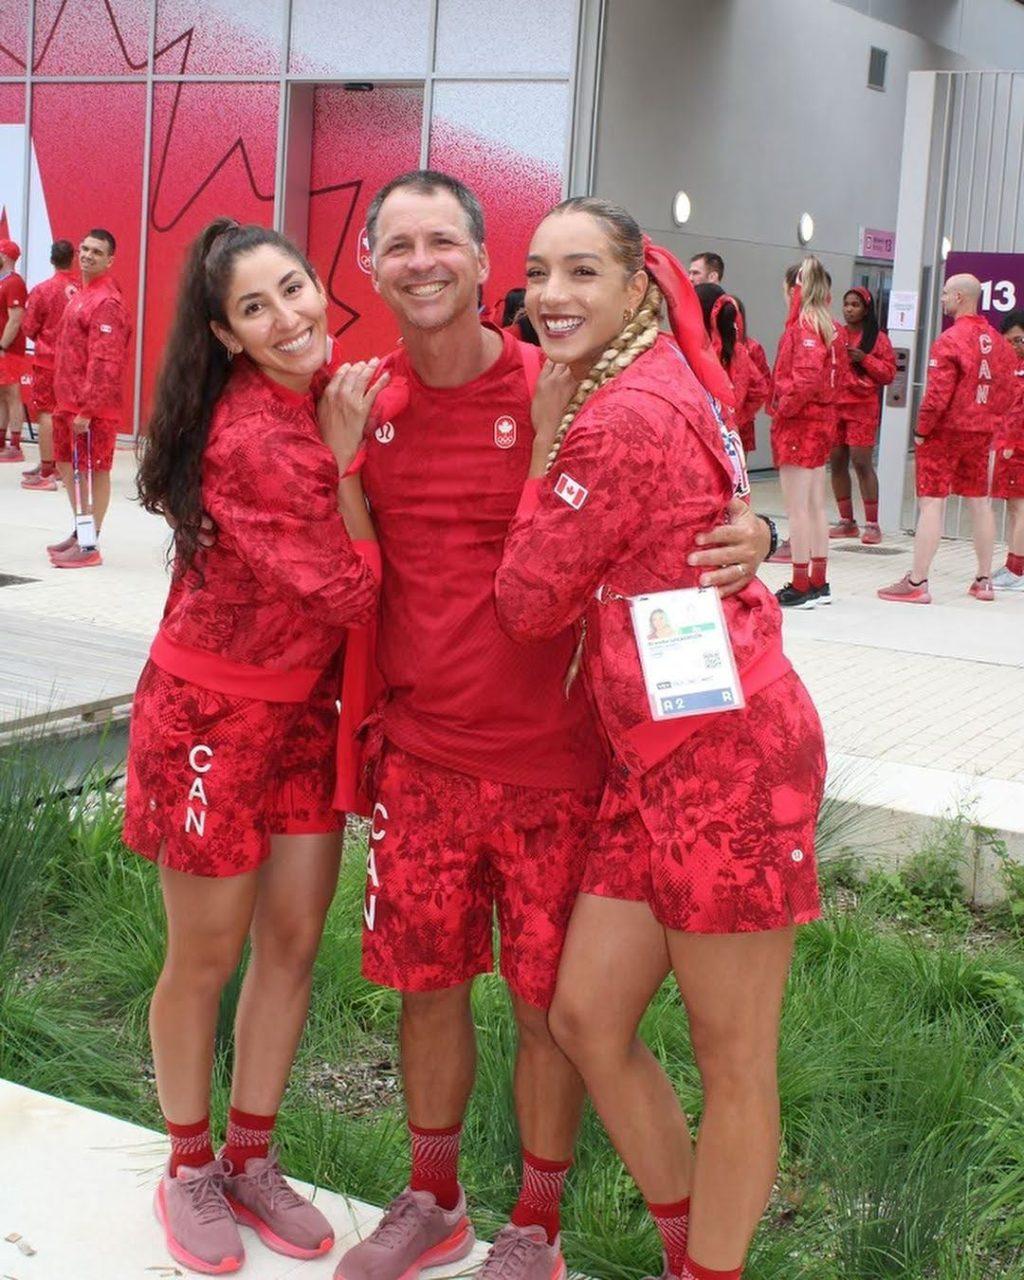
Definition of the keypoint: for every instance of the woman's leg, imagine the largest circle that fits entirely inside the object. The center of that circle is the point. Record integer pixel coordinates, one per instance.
(295, 887)
(732, 986)
(862, 458)
(839, 466)
(817, 514)
(613, 963)
(207, 920)
(796, 487)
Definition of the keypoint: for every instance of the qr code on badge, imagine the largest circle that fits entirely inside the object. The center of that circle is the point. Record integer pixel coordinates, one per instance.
(712, 660)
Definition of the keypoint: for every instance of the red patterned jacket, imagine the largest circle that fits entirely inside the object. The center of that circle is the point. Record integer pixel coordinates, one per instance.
(283, 579)
(858, 388)
(1011, 433)
(90, 351)
(44, 312)
(749, 382)
(969, 388)
(643, 469)
(807, 374)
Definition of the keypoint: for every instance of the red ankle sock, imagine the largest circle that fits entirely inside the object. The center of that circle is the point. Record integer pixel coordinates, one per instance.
(845, 509)
(871, 511)
(694, 1271)
(435, 1163)
(672, 1221)
(248, 1138)
(819, 571)
(190, 1144)
(801, 580)
(540, 1196)
(16, 439)
(1015, 564)
(47, 468)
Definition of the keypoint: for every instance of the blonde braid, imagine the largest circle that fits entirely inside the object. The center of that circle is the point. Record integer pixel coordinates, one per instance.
(638, 336)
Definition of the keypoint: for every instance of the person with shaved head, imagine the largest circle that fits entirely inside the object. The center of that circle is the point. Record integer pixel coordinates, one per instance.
(970, 382)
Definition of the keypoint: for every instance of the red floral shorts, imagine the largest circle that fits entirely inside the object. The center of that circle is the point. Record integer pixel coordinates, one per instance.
(950, 461)
(448, 849)
(42, 390)
(211, 776)
(101, 437)
(1008, 476)
(802, 442)
(719, 836)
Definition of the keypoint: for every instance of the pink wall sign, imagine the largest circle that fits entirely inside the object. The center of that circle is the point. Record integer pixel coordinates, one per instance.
(877, 244)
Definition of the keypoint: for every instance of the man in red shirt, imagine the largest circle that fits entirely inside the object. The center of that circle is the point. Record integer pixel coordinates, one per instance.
(43, 314)
(12, 352)
(970, 370)
(88, 383)
(486, 773)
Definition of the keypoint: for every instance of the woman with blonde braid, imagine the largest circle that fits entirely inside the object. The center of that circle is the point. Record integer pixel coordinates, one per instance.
(805, 382)
(702, 860)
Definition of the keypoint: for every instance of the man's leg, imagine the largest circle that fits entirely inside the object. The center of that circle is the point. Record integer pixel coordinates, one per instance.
(927, 536)
(983, 530)
(14, 418)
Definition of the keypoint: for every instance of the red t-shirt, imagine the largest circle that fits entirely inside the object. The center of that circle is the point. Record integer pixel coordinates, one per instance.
(443, 476)
(12, 296)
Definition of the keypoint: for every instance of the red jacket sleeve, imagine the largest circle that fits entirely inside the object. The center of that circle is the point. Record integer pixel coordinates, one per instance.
(880, 363)
(943, 375)
(277, 501)
(587, 515)
(756, 390)
(108, 344)
(34, 319)
(802, 379)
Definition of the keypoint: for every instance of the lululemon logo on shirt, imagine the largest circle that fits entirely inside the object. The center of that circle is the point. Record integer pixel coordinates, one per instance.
(377, 832)
(385, 433)
(571, 491)
(505, 432)
(364, 258)
(200, 760)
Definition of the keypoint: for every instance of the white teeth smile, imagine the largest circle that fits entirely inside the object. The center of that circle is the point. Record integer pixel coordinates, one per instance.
(426, 290)
(297, 344)
(560, 326)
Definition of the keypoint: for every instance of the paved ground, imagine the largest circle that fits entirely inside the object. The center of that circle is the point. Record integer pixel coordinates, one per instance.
(930, 696)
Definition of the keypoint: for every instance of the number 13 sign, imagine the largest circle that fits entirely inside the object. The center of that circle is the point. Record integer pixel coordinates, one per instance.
(1002, 281)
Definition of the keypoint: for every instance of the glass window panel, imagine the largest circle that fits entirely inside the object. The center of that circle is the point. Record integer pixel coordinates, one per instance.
(506, 141)
(12, 162)
(219, 37)
(97, 186)
(214, 148)
(91, 37)
(13, 36)
(360, 141)
(370, 39)
(493, 37)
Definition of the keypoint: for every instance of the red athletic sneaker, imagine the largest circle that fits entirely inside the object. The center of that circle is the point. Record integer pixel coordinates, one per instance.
(844, 529)
(414, 1233)
(65, 544)
(523, 1253)
(199, 1228)
(78, 558)
(11, 453)
(285, 1221)
(40, 482)
(906, 592)
(981, 589)
(783, 554)
(33, 471)
(872, 535)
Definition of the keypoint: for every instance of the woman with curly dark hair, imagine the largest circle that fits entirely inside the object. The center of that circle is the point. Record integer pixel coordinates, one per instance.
(231, 753)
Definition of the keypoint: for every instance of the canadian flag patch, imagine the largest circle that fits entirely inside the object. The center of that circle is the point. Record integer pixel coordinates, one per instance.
(571, 491)
(505, 432)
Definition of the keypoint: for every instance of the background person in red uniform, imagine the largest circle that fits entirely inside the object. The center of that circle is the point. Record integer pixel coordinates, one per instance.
(707, 267)
(870, 365)
(43, 314)
(969, 387)
(488, 775)
(724, 324)
(1008, 474)
(805, 380)
(88, 384)
(231, 750)
(702, 858)
(746, 415)
(12, 352)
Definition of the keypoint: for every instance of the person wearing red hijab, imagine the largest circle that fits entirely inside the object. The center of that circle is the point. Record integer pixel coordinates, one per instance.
(870, 366)
(701, 860)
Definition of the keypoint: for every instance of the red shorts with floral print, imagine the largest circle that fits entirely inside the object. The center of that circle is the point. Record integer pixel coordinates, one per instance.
(719, 836)
(1008, 476)
(42, 390)
(446, 850)
(101, 438)
(859, 430)
(802, 442)
(211, 776)
(950, 461)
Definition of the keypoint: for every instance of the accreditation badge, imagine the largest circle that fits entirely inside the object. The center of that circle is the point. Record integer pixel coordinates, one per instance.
(685, 653)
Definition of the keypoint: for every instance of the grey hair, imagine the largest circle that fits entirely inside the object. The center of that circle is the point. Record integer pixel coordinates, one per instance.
(425, 182)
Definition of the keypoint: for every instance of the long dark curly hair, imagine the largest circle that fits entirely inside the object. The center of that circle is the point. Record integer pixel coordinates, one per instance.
(192, 376)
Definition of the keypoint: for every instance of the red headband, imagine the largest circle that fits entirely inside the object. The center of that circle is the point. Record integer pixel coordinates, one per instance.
(687, 320)
(862, 293)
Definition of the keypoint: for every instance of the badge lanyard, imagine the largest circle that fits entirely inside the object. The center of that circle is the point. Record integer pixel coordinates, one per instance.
(85, 525)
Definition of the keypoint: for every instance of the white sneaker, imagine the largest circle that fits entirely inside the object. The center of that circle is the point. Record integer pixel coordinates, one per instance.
(1004, 580)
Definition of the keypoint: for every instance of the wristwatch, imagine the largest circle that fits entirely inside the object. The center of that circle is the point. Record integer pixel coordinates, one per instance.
(773, 535)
